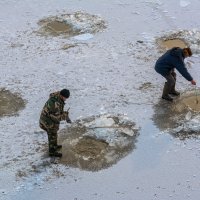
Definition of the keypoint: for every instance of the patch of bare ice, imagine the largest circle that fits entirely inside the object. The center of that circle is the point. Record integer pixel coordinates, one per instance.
(83, 37)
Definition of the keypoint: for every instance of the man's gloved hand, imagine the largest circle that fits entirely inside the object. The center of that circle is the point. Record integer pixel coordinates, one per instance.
(68, 120)
(193, 82)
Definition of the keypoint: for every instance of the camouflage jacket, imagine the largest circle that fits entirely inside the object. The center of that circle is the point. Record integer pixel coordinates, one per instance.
(53, 112)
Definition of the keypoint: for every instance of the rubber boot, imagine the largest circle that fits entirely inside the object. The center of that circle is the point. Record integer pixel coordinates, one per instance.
(55, 154)
(58, 147)
(174, 92)
(166, 91)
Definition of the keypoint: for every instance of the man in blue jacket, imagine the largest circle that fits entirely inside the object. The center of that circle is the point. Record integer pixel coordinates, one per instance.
(166, 65)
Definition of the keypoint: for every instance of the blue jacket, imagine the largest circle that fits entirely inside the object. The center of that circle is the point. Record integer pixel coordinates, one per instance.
(173, 58)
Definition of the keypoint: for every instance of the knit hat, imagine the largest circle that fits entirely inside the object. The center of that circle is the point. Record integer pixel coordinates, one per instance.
(65, 93)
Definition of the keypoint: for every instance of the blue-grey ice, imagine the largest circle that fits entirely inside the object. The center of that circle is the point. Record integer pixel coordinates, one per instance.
(84, 37)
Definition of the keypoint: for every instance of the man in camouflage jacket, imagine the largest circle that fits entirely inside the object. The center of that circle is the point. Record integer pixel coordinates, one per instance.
(51, 115)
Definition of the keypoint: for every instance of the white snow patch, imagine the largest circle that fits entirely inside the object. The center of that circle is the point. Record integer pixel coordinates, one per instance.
(188, 116)
(102, 121)
(184, 3)
(105, 128)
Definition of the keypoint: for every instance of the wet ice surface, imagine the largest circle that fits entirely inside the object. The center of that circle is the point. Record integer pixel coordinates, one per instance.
(180, 118)
(109, 73)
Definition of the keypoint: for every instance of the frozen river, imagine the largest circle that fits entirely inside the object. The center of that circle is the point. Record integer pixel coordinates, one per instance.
(108, 68)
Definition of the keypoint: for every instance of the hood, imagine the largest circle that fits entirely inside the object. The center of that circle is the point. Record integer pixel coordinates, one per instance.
(56, 96)
(176, 51)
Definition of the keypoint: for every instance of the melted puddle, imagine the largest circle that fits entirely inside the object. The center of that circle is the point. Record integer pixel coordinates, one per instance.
(59, 26)
(55, 28)
(98, 142)
(192, 102)
(69, 25)
(168, 44)
(188, 101)
(181, 118)
(10, 103)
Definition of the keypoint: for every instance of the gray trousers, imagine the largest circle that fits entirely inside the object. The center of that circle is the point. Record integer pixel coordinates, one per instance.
(171, 79)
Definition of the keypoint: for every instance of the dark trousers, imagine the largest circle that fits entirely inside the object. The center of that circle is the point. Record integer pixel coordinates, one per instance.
(171, 80)
(169, 87)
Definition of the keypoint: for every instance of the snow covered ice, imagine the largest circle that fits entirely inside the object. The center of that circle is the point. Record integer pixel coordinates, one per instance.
(108, 69)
